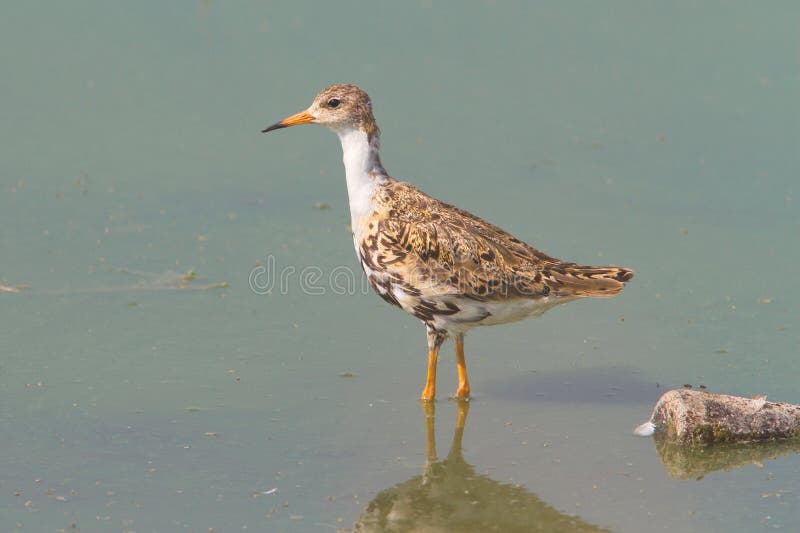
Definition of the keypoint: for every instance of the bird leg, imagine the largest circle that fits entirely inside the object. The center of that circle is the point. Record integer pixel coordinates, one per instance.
(462, 393)
(435, 340)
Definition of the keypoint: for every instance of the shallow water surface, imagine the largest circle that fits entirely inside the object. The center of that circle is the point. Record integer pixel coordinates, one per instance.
(146, 386)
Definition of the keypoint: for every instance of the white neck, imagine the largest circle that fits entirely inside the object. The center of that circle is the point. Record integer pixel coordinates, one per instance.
(362, 168)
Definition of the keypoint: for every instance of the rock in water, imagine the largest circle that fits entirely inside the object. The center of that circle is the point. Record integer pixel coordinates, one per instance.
(694, 417)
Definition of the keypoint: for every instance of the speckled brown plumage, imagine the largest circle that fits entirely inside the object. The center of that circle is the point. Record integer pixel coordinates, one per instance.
(431, 258)
(447, 267)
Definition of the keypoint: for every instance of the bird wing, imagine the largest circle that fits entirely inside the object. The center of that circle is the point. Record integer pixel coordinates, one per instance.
(442, 249)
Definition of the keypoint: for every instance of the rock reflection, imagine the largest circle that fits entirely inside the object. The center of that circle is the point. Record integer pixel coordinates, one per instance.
(451, 496)
(686, 462)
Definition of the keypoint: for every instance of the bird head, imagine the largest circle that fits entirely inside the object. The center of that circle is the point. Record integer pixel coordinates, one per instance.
(339, 107)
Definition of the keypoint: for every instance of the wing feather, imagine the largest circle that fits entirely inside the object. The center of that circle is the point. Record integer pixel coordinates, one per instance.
(446, 250)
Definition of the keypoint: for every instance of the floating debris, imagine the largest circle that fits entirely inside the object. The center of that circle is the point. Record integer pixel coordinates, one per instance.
(147, 281)
(645, 430)
(15, 288)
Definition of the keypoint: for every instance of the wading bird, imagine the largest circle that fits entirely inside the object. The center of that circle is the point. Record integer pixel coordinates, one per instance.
(445, 266)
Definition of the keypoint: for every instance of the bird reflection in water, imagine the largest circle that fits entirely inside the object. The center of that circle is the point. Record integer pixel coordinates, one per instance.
(451, 496)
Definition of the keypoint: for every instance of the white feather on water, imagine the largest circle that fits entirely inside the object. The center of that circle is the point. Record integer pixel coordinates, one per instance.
(645, 430)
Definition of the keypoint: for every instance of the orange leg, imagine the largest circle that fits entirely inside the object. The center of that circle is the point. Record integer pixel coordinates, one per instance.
(435, 340)
(462, 393)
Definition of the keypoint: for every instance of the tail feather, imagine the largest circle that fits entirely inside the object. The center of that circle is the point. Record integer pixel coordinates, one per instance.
(589, 281)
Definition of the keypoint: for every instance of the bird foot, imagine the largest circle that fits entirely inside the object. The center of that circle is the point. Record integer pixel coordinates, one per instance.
(427, 396)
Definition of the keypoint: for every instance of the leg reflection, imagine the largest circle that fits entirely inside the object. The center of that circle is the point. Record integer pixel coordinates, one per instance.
(451, 496)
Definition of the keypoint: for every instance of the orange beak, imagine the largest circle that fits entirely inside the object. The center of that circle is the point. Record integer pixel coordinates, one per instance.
(303, 117)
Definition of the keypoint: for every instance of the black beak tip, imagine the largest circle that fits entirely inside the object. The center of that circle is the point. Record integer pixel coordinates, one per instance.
(275, 126)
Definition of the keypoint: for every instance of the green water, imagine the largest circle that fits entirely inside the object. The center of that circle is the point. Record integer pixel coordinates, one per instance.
(661, 137)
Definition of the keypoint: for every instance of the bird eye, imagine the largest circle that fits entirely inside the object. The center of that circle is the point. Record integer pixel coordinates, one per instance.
(334, 102)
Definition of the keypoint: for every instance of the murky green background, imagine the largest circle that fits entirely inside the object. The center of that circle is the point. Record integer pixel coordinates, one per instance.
(661, 137)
